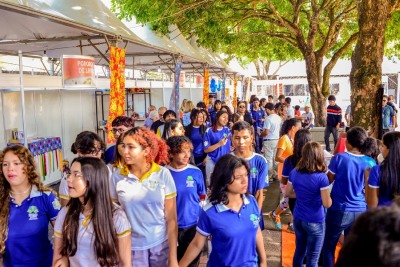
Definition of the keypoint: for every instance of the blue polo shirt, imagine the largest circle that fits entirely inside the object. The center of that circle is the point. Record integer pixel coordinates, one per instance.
(287, 166)
(197, 141)
(28, 241)
(308, 188)
(348, 188)
(233, 233)
(109, 154)
(257, 116)
(374, 181)
(210, 138)
(258, 176)
(189, 183)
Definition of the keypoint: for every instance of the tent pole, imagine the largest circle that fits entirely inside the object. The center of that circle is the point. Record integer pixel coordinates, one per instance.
(21, 84)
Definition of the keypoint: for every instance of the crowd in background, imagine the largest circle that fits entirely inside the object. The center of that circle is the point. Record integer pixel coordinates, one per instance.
(195, 179)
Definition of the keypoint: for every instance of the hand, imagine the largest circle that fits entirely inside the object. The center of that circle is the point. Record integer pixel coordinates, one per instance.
(204, 161)
(61, 262)
(337, 127)
(223, 141)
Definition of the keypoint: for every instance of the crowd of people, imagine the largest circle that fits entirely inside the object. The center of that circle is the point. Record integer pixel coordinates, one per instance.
(183, 181)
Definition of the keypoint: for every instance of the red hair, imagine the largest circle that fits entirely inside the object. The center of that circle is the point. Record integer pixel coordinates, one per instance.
(147, 138)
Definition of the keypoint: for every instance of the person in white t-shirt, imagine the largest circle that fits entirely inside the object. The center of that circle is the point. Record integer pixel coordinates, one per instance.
(270, 135)
(91, 230)
(290, 109)
(147, 194)
(308, 117)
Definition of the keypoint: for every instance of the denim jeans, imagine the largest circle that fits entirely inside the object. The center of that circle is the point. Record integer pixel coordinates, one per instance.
(309, 238)
(259, 143)
(328, 131)
(269, 154)
(336, 222)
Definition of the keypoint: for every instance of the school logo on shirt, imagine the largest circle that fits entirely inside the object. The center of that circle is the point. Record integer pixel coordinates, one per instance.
(189, 181)
(205, 143)
(254, 219)
(253, 172)
(33, 213)
(56, 204)
(153, 184)
(225, 135)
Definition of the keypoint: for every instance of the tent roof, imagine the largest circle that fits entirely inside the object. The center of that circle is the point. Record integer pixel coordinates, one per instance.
(88, 27)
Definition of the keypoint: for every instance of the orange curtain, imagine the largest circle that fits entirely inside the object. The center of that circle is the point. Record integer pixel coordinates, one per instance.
(117, 88)
(206, 86)
(234, 101)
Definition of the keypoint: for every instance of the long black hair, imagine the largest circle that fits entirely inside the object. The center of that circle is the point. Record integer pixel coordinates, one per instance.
(302, 137)
(222, 176)
(193, 117)
(215, 123)
(96, 176)
(287, 125)
(390, 167)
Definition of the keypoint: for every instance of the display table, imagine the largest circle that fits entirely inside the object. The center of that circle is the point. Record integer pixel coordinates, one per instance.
(48, 157)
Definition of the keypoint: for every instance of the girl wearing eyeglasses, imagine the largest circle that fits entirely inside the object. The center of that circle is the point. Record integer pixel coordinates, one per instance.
(26, 209)
(91, 230)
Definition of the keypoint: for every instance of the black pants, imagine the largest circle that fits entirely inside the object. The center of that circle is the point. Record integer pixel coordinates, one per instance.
(328, 131)
(185, 236)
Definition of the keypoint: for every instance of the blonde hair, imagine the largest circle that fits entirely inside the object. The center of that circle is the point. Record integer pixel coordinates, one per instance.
(189, 106)
(183, 105)
(33, 177)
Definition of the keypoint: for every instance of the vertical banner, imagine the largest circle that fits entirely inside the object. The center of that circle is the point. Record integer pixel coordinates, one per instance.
(223, 94)
(117, 88)
(174, 100)
(206, 86)
(234, 101)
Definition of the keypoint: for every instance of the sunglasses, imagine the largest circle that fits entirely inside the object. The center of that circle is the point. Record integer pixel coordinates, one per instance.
(241, 106)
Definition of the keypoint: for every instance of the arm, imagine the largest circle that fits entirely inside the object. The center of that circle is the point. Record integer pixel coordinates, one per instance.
(326, 198)
(58, 260)
(262, 256)
(289, 192)
(124, 251)
(371, 193)
(259, 196)
(211, 148)
(193, 250)
(264, 133)
(278, 156)
(284, 180)
(172, 228)
(331, 177)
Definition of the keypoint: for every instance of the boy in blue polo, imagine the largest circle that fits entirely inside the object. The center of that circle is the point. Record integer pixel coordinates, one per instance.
(190, 189)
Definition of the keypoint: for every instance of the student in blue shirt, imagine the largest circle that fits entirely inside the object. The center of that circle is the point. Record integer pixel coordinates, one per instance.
(231, 219)
(27, 207)
(302, 137)
(258, 116)
(195, 132)
(190, 191)
(310, 185)
(217, 107)
(242, 142)
(216, 141)
(384, 180)
(346, 170)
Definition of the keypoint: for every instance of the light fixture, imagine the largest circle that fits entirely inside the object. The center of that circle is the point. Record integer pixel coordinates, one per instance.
(159, 69)
(45, 57)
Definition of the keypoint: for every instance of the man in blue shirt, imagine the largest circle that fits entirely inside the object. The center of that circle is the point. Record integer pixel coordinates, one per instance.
(258, 116)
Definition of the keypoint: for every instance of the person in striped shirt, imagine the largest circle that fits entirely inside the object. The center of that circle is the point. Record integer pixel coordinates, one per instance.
(333, 120)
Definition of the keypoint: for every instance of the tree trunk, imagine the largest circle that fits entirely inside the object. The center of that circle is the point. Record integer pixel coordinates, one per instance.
(314, 78)
(257, 65)
(366, 71)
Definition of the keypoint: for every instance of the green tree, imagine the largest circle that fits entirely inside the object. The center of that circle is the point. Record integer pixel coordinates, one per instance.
(318, 29)
(374, 18)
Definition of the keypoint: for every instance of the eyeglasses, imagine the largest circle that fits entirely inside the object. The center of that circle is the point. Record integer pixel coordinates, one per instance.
(384, 100)
(241, 106)
(118, 130)
(74, 175)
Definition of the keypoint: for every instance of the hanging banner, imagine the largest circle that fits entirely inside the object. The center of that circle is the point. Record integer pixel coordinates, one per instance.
(199, 81)
(77, 71)
(174, 99)
(234, 101)
(117, 88)
(182, 79)
(223, 86)
(206, 86)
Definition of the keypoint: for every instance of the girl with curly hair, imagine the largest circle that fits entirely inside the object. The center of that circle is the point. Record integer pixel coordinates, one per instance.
(27, 207)
(231, 218)
(147, 193)
(91, 230)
